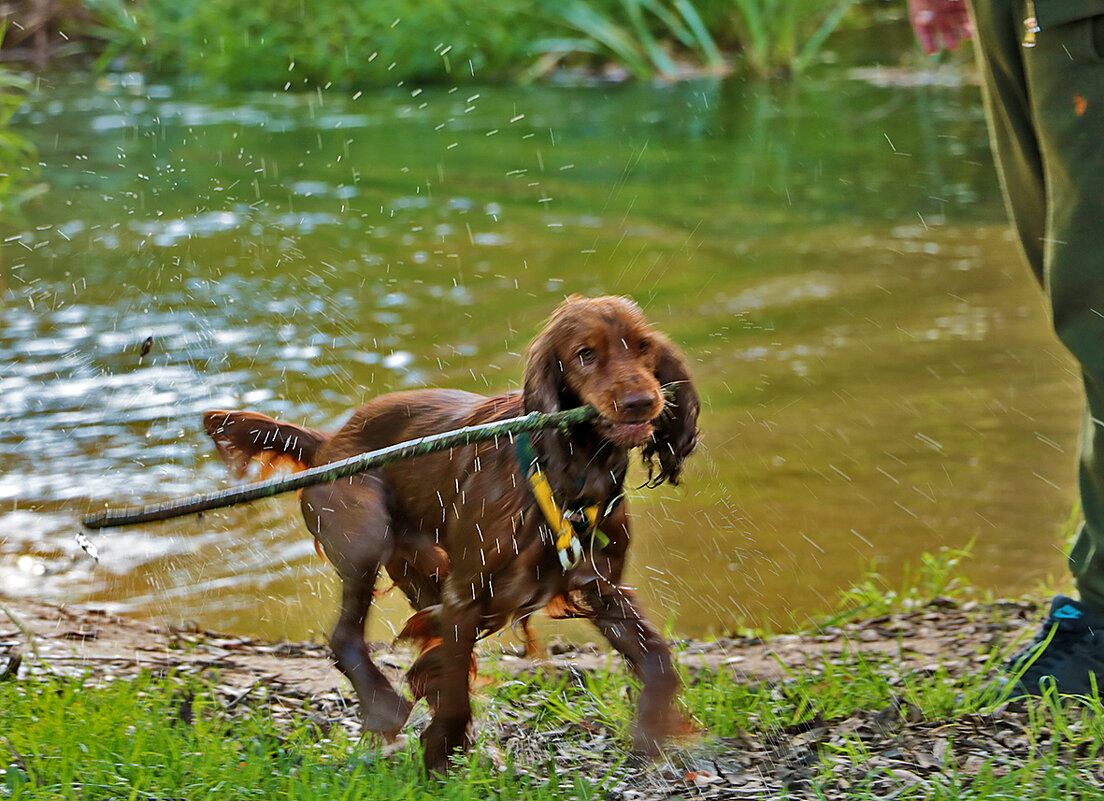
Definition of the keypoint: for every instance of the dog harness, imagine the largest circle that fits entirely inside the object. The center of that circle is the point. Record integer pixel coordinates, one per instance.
(568, 528)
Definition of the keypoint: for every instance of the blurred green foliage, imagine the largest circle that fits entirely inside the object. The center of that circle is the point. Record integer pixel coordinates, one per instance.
(274, 43)
(18, 167)
(295, 44)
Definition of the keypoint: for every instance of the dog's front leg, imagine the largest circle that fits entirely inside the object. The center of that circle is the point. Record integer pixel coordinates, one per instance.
(448, 731)
(619, 617)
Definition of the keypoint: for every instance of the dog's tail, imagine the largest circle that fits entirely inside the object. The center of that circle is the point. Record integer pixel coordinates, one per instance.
(245, 437)
(424, 676)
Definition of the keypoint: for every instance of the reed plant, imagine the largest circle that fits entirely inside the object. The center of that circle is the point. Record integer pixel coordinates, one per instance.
(292, 44)
(648, 38)
(784, 37)
(675, 38)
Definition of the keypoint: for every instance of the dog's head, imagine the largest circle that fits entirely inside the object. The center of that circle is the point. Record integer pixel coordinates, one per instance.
(603, 352)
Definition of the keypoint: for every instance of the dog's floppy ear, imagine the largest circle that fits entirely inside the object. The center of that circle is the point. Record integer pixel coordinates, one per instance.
(543, 379)
(676, 430)
(544, 373)
(543, 390)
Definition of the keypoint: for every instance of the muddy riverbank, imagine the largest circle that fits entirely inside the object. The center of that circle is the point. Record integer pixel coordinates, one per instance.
(901, 746)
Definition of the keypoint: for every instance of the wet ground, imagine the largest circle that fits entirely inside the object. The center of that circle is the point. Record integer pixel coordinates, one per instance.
(901, 748)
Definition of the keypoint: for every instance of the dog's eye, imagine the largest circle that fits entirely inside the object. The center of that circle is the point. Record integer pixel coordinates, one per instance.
(645, 345)
(586, 355)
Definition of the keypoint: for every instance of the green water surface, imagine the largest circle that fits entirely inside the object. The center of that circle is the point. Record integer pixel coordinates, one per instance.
(876, 371)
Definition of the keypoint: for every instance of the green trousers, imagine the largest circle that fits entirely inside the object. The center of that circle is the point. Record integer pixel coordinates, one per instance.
(1045, 106)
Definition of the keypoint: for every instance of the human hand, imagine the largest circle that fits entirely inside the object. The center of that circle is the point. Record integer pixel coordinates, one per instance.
(935, 20)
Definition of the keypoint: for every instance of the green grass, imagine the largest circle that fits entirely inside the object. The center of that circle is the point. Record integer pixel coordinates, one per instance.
(64, 739)
(937, 577)
(861, 724)
(174, 738)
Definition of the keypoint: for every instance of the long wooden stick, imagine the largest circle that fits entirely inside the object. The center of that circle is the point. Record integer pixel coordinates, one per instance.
(323, 474)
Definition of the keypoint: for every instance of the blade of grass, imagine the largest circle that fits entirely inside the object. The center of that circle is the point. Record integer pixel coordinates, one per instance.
(816, 41)
(671, 22)
(600, 27)
(656, 54)
(757, 47)
(708, 47)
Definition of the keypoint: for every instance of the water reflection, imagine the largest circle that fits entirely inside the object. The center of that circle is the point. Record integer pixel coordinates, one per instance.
(296, 254)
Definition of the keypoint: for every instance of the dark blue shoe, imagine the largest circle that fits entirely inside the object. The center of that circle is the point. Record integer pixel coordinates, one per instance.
(1068, 652)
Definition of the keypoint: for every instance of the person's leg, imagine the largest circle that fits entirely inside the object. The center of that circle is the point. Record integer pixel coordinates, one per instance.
(1045, 107)
(999, 31)
(1065, 80)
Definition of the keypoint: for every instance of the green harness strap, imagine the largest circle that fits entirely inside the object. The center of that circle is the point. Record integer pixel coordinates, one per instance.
(568, 528)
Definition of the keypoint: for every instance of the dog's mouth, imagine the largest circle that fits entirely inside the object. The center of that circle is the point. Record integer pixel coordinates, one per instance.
(626, 435)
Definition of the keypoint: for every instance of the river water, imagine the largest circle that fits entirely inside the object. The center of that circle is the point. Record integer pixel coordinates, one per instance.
(877, 375)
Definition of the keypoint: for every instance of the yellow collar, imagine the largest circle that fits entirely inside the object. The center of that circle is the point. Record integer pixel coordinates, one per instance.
(565, 528)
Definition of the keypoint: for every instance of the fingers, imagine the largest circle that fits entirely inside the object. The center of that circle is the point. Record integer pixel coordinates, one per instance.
(923, 20)
(956, 29)
(925, 34)
(940, 24)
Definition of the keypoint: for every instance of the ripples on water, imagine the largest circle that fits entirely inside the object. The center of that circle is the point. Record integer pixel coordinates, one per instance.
(296, 254)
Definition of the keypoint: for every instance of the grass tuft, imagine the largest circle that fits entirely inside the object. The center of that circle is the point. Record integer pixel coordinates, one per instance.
(856, 711)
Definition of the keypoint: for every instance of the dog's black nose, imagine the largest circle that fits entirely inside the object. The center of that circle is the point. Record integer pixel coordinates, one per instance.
(637, 403)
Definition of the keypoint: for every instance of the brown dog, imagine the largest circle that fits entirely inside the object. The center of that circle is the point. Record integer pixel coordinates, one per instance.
(462, 532)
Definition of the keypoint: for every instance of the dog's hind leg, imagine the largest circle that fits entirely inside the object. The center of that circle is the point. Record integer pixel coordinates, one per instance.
(449, 688)
(349, 518)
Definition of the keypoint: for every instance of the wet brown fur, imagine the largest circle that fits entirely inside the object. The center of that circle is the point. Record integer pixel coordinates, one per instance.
(459, 532)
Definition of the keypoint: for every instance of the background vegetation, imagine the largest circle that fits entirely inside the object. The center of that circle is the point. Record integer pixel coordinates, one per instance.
(17, 155)
(290, 44)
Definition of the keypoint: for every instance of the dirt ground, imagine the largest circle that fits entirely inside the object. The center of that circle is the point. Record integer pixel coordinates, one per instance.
(902, 747)
(78, 640)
